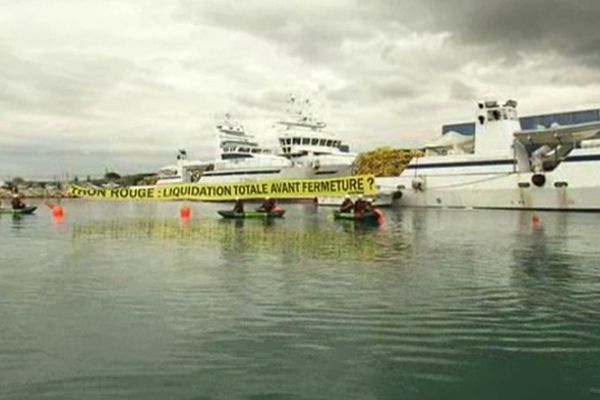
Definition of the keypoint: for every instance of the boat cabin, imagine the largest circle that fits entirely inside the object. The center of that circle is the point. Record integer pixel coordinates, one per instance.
(304, 144)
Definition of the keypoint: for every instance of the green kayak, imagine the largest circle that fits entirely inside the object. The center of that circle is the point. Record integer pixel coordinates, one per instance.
(372, 217)
(252, 214)
(19, 211)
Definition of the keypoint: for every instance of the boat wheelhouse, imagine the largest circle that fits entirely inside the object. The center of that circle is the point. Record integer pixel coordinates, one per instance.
(303, 140)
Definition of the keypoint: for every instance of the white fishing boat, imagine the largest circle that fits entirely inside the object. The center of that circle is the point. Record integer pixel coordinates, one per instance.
(306, 152)
(238, 158)
(506, 167)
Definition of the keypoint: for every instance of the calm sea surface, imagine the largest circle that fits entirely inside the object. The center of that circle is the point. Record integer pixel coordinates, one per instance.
(123, 301)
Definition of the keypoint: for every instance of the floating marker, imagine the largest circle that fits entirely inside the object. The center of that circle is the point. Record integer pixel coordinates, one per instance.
(379, 216)
(185, 213)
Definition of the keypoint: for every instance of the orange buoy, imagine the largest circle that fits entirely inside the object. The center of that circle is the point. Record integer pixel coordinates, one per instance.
(57, 212)
(185, 212)
(378, 215)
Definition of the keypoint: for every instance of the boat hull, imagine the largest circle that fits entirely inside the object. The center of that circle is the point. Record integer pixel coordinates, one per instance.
(21, 211)
(252, 214)
(261, 174)
(374, 217)
(573, 186)
(379, 200)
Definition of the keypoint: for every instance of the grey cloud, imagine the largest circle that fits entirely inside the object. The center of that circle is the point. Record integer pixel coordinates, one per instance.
(312, 31)
(480, 35)
(56, 83)
(514, 28)
(375, 89)
(462, 92)
(268, 100)
(316, 31)
(394, 89)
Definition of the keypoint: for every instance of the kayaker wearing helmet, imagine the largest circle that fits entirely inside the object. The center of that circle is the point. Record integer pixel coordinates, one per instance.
(359, 205)
(347, 205)
(239, 206)
(268, 205)
(17, 203)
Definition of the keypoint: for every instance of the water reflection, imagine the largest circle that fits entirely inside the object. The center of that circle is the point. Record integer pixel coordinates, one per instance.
(313, 239)
(17, 221)
(538, 256)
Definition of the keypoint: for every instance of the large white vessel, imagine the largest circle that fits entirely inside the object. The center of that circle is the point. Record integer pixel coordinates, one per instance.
(505, 167)
(238, 158)
(306, 152)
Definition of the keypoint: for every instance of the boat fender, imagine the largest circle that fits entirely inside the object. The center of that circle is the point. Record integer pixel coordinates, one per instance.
(538, 180)
(196, 175)
(378, 216)
(417, 184)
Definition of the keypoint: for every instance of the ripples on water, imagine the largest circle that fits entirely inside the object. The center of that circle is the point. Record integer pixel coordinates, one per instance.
(121, 300)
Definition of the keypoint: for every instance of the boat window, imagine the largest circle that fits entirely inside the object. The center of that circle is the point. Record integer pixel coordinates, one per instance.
(296, 140)
(494, 115)
(322, 142)
(288, 141)
(305, 140)
(329, 143)
(314, 141)
(282, 141)
(244, 150)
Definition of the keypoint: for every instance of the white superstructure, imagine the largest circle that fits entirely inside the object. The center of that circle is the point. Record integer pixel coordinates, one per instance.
(305, 152)
(555, 168)
(303, 140)
(183, 171)
(238, 157)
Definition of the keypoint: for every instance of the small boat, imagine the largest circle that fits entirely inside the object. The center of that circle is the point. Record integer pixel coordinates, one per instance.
(381, 199)
(277, 213)
(19, 211)
(373, 217)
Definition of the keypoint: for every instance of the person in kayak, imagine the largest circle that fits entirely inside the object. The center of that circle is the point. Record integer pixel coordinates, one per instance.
(239, 206)
(347, 205)
(17, 203)
(268, 205)
(359, 205)
(368, 206)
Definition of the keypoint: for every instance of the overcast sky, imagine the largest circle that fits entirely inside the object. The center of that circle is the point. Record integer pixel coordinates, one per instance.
(89, 84)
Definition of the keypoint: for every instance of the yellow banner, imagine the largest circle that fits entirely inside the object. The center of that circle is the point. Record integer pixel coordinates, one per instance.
(278, 189)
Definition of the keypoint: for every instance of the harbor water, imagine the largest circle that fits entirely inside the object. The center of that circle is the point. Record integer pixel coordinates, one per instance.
(122, 300)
